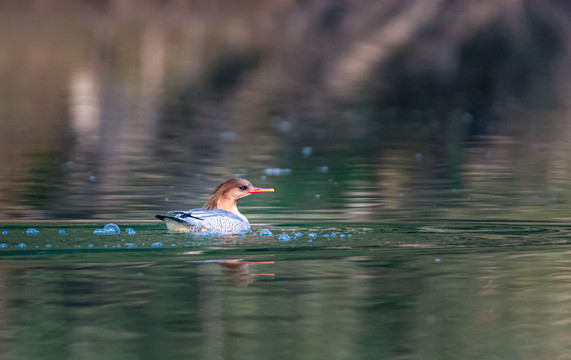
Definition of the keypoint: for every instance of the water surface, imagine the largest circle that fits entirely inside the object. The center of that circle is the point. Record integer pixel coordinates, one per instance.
(404, 290)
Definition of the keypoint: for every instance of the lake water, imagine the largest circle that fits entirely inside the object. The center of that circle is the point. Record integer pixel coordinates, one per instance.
(429, 141)
(391, 291)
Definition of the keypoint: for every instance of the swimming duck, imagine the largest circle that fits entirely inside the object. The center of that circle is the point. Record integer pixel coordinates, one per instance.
(220, 214)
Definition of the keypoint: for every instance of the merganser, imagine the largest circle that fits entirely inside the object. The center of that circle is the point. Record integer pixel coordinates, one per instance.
(220, 214)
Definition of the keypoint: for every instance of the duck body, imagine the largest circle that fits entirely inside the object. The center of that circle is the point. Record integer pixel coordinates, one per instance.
(219, 215)
(200, 220)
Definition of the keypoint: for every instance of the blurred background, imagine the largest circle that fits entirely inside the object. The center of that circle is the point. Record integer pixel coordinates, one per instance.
(353, 110)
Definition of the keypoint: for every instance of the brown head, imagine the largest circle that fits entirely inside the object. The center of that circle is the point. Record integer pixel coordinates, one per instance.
(226, 194)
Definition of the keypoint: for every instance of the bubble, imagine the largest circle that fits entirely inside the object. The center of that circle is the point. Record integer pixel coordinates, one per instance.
(467, 118)
(228, 136)
(91, 245)
(48, 246)
(298, 234)
(307, 150)
(266, 232)
(101, 232)
(333, 234)
(437, 260)
(284, 237)
(317, 196)
(31, 231)
(129, 245)
(325, 235)
(342, 235)
(4, 232)
(276, 171)
(312, 235)
(21, 246)
(157, 244)
(324, 169)
(3, 246)
(62, 232)
(130, 231)
(112, 228)
(418, 156)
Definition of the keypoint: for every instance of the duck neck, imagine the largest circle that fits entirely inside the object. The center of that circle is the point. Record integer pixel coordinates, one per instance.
(228, 205)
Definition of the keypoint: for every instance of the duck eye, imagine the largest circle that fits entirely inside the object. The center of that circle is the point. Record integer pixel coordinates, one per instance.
(242, 187)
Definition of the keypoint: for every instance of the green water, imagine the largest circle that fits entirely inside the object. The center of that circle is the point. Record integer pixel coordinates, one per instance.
(437, 136)
(391, 291)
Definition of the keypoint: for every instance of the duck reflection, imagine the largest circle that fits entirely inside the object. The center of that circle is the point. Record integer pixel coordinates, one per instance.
(238, 271)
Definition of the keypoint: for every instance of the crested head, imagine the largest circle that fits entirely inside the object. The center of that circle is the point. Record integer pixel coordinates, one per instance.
(226, 194)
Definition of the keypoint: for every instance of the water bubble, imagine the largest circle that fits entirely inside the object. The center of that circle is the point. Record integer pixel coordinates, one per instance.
(324, 169)
(298, 234)
(4, 232)
(112, 228)
(101, 232)
(325, 235)
(418, 156)
(62, 232)
(3, 246)
(157, 244)
(228, 136)
(342, 235)
(266, 232)
(91, 245)
(175, 244)
(48, 246)
(467, 118)
(31, 231)
(437, 260)
(333, 234)
(129, 245)
(21, 246)
(284, 237)
(307, 150)
(276, 171)
(317, 196)
(312, 235)
(130, 231)
(349, 235)
(204, 234)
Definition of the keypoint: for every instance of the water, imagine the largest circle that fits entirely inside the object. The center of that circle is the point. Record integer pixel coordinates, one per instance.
(419, 152)
(392, 291)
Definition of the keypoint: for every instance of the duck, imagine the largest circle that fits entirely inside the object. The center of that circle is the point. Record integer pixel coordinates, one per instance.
(220, 214)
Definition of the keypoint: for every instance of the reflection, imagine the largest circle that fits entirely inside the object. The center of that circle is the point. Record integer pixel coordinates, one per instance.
(418, 109)
(238, 271)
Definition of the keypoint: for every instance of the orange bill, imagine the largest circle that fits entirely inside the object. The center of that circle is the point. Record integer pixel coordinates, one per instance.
(254, 190)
